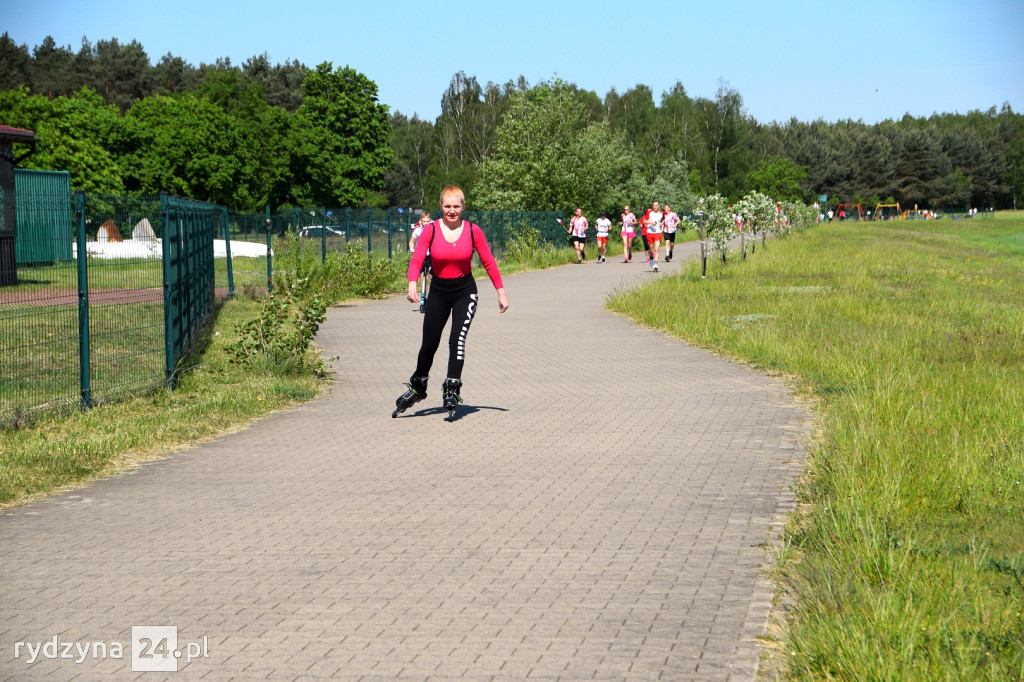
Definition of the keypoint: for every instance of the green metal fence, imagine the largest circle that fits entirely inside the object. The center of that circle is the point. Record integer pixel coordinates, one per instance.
(121, 320)
(189, 278)
(386, 232)
(44, 233)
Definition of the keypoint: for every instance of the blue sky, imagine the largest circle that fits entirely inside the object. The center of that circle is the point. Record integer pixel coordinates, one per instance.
(869, 60)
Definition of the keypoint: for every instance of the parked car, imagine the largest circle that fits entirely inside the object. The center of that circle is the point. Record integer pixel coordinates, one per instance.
(318, 232)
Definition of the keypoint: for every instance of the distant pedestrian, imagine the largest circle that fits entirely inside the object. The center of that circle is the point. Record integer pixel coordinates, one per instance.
(417, 230)
(652, 221)
(579, 225)
(643, 238)
(603, 226)
(628, 221)
(831, 215)
(671, 221)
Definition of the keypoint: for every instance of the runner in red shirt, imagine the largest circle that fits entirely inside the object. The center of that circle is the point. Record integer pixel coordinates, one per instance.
(652, 223)
(628, 223)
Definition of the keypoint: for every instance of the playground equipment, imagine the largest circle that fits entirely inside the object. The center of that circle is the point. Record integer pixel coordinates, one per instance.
(888, 212)
(849, 212)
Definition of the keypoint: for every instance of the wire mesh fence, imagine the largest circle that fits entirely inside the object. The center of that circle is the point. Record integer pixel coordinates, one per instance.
(38, 305)
(107, 299)
(386, 232)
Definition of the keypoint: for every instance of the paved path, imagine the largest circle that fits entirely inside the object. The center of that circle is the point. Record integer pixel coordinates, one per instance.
(597, 511)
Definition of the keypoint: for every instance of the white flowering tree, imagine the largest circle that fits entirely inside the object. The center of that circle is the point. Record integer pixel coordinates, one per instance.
(719, 226)
(800, 215)
(758, 211)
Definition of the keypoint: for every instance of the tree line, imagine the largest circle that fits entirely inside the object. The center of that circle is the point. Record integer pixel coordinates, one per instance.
(286, 134)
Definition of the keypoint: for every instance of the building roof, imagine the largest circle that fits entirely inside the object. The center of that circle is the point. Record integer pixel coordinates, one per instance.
(9, 134)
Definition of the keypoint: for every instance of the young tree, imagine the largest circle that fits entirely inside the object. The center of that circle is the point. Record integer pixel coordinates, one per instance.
(339, 143)
(719, 226)
(759, 216)
(546, 158)
(778, 177)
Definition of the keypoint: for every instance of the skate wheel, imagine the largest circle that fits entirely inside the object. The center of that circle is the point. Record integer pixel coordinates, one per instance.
(397, 412)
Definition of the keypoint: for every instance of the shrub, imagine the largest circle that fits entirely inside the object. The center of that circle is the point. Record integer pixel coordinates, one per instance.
(277, 341)
(523, 244)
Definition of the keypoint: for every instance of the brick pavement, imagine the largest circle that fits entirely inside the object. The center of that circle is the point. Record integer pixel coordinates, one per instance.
(597, 511)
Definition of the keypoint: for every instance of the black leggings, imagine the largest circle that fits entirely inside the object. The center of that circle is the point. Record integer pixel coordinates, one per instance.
(455, 297)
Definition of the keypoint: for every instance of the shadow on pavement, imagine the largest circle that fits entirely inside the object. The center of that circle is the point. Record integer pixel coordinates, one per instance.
(460, 412)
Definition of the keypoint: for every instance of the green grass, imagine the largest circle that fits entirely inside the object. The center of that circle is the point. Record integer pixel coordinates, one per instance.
(39, 343)
(40, 362)
(906, 561)
(59, 450)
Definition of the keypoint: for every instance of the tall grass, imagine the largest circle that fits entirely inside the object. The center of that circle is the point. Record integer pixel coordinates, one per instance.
(906, 560)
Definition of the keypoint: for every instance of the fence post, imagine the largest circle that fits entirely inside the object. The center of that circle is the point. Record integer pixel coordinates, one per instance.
(491, 232)
(84, 375)
(227, 250)
(169, 224)
(270, 267)
(323, 236)
(369, 231)
(703, 247)
(389, 234)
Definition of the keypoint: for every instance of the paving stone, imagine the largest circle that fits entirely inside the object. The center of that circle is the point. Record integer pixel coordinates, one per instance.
(597, 511)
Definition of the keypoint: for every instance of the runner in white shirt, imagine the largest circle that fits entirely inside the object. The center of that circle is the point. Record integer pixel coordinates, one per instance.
(579, 226)
(628, 223)
(417, 230)
(671, 221)
(603, 225)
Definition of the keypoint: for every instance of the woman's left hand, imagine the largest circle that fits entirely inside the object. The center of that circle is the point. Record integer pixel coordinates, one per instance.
(502, 301)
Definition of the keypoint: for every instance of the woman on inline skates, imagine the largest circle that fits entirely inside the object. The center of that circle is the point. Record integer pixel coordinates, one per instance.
(453, 292)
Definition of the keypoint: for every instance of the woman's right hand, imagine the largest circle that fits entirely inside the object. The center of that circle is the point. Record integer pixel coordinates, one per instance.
(412, 295)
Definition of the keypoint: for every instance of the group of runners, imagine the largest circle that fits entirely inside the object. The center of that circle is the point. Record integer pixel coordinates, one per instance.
(656, 225)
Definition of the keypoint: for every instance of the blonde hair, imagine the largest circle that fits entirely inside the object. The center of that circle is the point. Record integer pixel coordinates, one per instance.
(453, 191)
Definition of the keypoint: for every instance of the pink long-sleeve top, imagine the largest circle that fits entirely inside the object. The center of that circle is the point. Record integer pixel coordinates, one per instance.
(451, 260)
